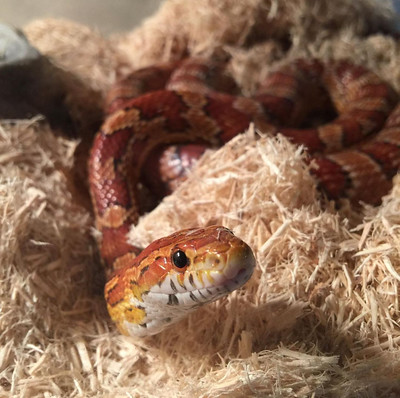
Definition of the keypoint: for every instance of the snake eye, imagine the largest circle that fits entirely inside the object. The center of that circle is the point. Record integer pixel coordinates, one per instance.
(180, 259)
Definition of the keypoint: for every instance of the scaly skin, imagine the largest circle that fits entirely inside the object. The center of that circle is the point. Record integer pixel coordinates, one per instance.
(147, 292)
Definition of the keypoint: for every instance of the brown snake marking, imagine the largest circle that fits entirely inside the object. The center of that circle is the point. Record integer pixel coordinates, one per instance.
(190, 111)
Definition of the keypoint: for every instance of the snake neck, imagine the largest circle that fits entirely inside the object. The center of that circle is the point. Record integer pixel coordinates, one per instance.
(112, 186)
(115, 249)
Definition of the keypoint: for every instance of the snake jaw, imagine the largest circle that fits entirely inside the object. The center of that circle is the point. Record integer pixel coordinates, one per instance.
(219, 263)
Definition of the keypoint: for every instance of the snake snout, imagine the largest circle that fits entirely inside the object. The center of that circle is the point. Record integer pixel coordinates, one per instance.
(226, 262)
(239, 266)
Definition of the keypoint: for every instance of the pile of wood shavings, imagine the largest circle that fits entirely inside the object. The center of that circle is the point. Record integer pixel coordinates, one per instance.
(319, 287)
(320, 314)
(346, 275)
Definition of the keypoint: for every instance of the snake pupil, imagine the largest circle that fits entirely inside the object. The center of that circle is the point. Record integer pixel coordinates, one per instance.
(180, 259)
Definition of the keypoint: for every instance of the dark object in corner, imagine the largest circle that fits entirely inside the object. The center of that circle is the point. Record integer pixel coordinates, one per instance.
(29, 83)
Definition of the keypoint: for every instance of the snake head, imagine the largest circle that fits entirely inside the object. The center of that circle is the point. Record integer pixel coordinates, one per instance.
(175, 275)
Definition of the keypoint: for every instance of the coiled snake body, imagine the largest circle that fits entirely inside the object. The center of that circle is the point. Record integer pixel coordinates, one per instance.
(153, 288)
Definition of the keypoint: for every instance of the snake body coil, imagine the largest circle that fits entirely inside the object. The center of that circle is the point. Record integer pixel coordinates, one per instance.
(157, 286)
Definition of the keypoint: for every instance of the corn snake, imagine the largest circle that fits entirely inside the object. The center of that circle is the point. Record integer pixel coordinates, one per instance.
(175, 106)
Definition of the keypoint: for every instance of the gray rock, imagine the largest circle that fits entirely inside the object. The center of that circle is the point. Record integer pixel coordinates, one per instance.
(14, 47)
(29, 83)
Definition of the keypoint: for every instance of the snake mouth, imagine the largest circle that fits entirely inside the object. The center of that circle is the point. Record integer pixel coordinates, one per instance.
(241, 278)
